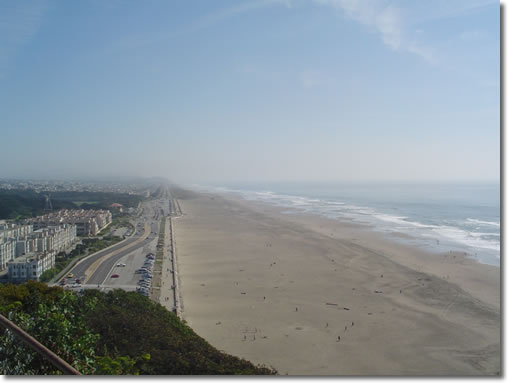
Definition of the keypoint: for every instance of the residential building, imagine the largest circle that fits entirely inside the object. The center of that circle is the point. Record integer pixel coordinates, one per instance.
(30, 266)
(7, 252)
(88, 222)
(18, 241)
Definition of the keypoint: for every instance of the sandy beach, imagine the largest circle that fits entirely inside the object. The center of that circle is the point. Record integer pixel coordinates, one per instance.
(312, 296)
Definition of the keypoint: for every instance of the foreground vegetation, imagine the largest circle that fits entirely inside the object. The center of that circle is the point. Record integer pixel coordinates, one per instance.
(106, 333)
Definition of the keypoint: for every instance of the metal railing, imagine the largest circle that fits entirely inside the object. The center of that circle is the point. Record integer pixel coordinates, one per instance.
(46, 353)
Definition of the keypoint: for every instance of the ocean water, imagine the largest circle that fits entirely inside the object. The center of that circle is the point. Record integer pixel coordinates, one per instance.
(437, 217)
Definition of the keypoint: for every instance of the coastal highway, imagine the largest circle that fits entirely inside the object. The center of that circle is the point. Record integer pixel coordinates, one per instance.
(82, 266)
(100, 275)
(96, 270)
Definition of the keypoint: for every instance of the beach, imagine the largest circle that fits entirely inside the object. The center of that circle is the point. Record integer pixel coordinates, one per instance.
(314, 296)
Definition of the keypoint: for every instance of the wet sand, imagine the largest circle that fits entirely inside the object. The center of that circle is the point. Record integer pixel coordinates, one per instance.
(312, 296)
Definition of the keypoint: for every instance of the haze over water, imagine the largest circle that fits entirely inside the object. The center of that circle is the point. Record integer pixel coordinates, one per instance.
(437, 216)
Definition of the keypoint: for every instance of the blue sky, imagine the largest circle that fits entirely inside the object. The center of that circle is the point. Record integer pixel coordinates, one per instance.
(211, 91)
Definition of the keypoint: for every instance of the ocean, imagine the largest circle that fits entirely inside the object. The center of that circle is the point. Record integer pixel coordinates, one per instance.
(437, 217)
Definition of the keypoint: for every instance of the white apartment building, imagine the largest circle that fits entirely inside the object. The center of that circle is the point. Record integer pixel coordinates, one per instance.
(88, 222)
(12, 230)
(25, 241)
(25, 246)
(10, 233)
(7, 252)
(58, 238)
(30, 266)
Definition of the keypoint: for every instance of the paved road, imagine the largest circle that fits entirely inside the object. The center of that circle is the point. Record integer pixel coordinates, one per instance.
(109, 264)
(151, 213)
(81, 267)
(133, 257)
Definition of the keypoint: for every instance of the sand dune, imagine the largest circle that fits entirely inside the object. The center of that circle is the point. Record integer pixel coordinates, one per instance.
(311, 296)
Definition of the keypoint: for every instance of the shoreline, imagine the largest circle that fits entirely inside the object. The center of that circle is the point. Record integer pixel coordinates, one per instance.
(280, 289)
(422, 260)
(431, 242)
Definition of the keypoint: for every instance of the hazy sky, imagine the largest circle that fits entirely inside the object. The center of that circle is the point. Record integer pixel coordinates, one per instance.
(203, 91)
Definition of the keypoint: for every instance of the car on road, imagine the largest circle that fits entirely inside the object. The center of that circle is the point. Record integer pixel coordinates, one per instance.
(115, 276)
(70, 275)
(121, 265)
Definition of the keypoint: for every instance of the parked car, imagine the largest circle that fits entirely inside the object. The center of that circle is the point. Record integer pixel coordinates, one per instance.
(115, 276)
(70, 275)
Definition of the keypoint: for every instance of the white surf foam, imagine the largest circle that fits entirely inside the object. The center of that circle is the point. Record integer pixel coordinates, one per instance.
(479, 222)
(467, 238)
(367, 215)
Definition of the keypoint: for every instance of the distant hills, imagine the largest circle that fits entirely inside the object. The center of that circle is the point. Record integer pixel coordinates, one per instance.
(20, 204)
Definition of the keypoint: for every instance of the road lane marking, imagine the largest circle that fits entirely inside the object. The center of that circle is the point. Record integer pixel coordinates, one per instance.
(94, 266)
